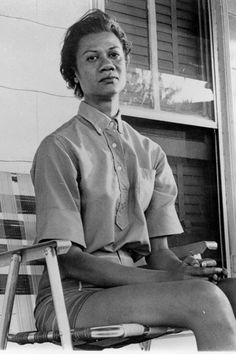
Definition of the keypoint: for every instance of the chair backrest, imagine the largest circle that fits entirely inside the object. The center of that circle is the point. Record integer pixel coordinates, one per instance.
(17, 229)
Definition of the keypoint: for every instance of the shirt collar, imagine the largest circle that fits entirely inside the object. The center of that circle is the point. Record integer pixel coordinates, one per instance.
(99, 120)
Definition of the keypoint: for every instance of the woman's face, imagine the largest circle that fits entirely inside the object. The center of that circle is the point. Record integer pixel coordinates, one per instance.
(101, 66)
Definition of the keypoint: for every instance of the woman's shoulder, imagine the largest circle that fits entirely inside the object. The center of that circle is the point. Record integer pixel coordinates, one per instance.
(138, 136)
(65, 132)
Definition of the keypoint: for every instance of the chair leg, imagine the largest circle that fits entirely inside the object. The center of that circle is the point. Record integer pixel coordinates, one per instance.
(9, 297)
(58, 297)
(146, 346)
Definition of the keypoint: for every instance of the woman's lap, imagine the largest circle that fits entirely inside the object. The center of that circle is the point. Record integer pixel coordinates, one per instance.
(169, 303)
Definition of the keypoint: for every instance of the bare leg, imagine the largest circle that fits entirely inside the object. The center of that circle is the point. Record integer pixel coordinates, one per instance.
(198, 305)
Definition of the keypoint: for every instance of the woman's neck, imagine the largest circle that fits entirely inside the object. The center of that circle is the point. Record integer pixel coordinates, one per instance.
(108, 107)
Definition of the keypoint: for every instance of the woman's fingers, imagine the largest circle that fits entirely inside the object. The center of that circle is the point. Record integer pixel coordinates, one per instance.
(207, 262)
(190, 260)
(204, 271)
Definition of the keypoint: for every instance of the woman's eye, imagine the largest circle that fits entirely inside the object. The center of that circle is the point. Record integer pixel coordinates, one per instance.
(114, 55)
(92, 58)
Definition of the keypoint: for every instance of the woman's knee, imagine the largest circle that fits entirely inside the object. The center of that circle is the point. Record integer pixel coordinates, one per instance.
(209, 303)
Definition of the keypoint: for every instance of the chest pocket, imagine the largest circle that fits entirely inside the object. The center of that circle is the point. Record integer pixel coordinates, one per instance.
(146, 179)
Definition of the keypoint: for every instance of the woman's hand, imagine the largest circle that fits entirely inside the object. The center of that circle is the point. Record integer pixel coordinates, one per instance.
(204, 268)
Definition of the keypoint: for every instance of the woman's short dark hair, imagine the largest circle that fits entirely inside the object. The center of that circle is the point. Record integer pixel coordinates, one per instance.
(94, 21)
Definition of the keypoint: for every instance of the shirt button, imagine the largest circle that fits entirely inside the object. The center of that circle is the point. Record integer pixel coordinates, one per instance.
(119, 168)
(114, 145)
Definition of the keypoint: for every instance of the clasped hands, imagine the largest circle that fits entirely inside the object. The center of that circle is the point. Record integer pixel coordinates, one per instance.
(203, 268)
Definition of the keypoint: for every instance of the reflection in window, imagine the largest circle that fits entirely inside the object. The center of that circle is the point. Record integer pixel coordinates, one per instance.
(184, 56)
(183, 94)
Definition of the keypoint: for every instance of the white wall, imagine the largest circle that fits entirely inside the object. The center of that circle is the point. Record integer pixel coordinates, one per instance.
(34, 99)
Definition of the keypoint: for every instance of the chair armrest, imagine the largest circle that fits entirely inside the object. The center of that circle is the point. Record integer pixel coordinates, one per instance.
(194, 248)
(32, 253)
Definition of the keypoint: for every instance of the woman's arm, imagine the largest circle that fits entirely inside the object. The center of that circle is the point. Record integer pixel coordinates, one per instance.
(102, 273)
(163, 258)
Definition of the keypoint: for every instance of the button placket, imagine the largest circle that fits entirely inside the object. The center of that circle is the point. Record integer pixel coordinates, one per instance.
(119, 165)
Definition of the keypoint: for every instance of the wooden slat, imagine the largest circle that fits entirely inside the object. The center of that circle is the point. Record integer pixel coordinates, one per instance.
(138, 62)
(163, 27)
(163, 19)
(138, 40)
(126, 19)
(168, 56)
(187, 41)
(186, 24)
(163, 9)
(188, 51)
(165, 66)
(164, 37)
(141, 4)
(165, 46)
(133, 11)
(163, 2)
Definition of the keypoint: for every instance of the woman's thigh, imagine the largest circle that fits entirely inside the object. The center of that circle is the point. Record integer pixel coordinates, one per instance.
(168, 303)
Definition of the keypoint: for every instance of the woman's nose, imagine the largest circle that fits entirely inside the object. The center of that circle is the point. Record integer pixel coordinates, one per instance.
(107, 64)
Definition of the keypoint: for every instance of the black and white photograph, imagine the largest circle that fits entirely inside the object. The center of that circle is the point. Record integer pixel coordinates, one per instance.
(118, 176)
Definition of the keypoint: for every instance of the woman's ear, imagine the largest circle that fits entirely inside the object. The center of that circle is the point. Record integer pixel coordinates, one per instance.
(76, 77)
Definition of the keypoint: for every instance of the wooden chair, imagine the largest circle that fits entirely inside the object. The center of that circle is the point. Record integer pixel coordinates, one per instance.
(20, 281)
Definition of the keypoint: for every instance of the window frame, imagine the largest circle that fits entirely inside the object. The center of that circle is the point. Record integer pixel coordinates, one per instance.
(223, 120)
(226, 135)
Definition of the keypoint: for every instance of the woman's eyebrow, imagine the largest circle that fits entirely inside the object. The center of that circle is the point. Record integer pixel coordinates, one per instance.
(89, 51)
(96, 50)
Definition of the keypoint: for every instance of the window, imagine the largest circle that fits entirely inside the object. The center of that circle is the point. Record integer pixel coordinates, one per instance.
(179, 33)
(171, 80)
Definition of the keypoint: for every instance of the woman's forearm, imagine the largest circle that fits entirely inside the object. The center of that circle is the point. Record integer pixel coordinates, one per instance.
(163, 259)
(92, 269)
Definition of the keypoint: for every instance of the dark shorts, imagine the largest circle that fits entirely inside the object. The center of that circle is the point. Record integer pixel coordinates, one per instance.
(75, 298)
(76, 294)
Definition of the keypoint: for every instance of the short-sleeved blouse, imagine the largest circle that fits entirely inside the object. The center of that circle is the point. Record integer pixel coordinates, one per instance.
(102, 185)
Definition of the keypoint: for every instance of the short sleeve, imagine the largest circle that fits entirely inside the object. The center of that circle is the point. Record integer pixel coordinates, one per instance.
(161, 215)
(54, 175)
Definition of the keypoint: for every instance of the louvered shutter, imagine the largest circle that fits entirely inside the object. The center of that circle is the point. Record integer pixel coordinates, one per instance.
(132, 15)
(182, 38)
(133, 18)
(190, 152)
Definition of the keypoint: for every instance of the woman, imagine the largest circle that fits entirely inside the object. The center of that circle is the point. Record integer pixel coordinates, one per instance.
(110, 190)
